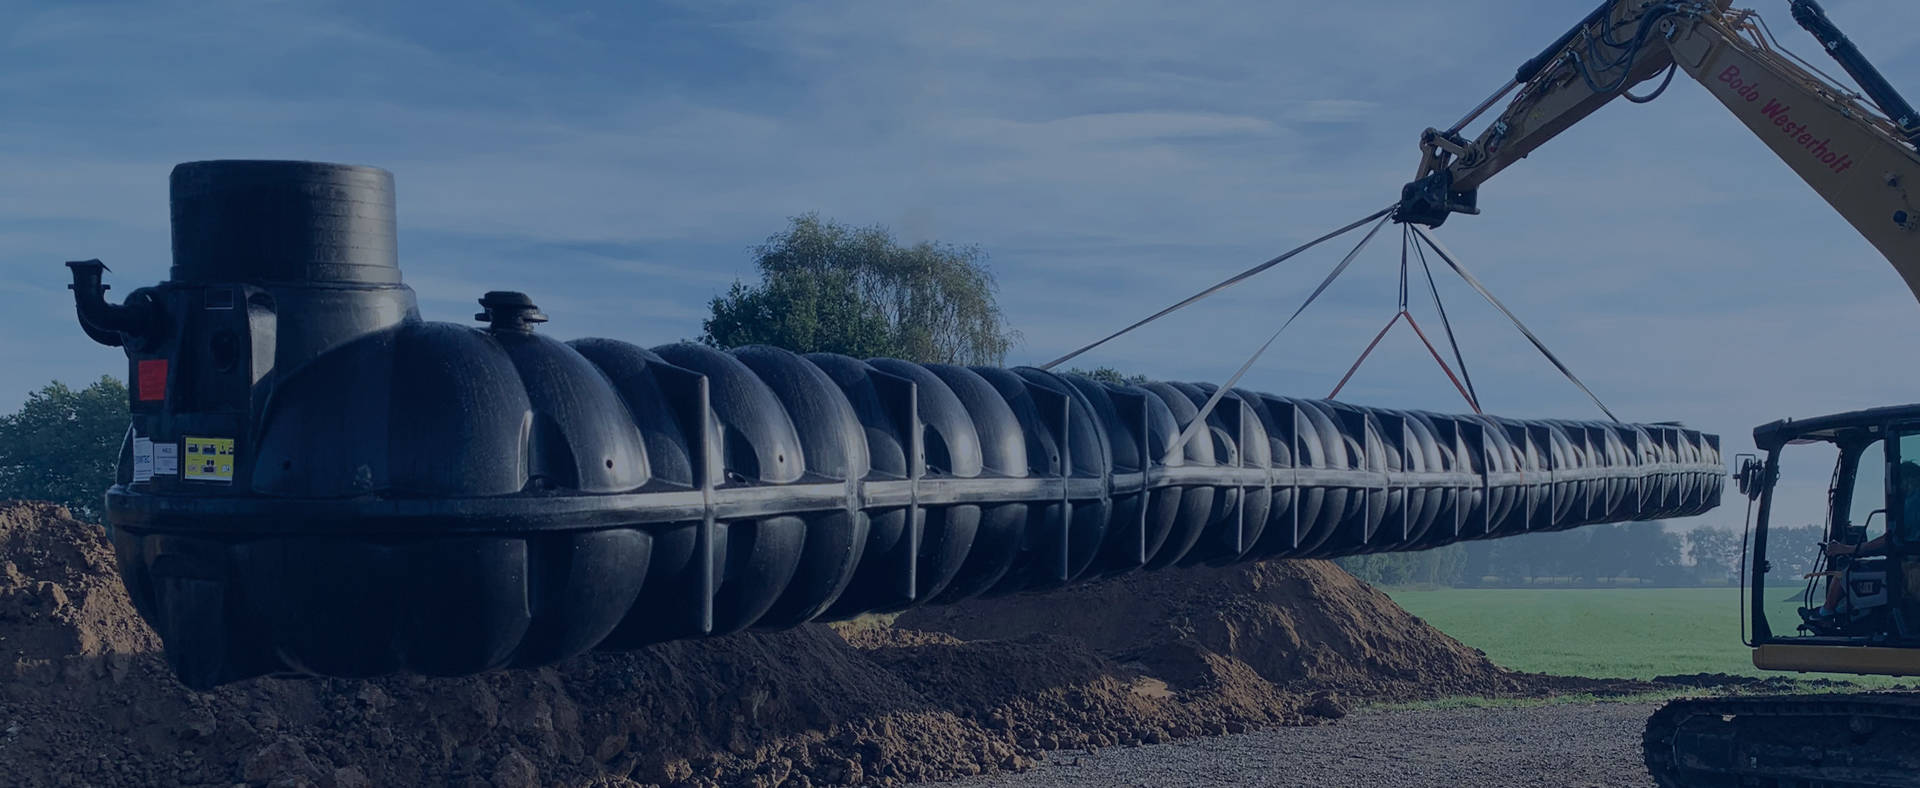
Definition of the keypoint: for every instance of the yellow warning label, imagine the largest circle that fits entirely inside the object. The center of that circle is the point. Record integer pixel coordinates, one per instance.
(208, 459)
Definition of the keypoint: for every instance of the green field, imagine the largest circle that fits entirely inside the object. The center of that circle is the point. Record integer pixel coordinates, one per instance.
(1602, 633)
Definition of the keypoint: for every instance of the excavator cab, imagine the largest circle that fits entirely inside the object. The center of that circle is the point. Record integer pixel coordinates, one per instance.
(1855, 607)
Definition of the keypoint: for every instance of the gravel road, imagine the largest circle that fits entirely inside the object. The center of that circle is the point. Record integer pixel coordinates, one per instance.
(1594, 746)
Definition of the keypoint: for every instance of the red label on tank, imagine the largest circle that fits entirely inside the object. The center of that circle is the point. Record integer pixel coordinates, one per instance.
(152, 383)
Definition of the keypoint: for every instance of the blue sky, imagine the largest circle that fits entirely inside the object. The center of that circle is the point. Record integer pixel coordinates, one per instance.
(619, 160)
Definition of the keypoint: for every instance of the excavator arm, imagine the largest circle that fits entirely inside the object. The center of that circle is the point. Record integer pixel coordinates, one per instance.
(1860, 157)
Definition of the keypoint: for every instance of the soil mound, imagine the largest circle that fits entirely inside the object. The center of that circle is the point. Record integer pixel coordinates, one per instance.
(1302, 625)
(86, 699)
(59, 594)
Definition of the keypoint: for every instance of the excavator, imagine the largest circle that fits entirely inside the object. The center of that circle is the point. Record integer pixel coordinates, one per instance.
(1860, 611)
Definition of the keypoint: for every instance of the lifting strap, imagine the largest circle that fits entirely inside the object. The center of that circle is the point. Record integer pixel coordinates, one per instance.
(1453, 263)
(1463, 382)
(1445, 324)
(1222, 285)
(1200, 420)
(1397, 316)
(1406, 240)
(1472, 401)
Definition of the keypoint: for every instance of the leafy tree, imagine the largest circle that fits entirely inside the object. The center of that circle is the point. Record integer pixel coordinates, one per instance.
(1476, 562)
(1794, 549)
(1567, 553)
(63, 444)
(1611, 550)
(1443, 565)
(1438, 566)
(1109, 375)
(1381, 569)
(1655, 553)
(828, 287)
(1642, 551)
(1521, 559)
(1715, 552)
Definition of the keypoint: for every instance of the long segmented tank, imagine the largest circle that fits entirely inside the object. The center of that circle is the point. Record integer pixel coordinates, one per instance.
(318, 481)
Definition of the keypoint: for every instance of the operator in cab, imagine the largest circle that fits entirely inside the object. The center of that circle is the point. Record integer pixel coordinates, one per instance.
(1909, 525)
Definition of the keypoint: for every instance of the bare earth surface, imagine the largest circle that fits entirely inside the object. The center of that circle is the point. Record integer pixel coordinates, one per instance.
(86, 698)
(1585, 745)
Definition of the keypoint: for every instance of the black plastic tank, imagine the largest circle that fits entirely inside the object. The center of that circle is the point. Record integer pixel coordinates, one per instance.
(318, 481)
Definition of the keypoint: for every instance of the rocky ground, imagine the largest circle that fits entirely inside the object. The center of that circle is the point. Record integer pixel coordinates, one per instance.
(990, 686)
(1566, 746)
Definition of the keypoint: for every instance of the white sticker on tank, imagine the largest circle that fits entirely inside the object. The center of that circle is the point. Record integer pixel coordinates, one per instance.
(166, 459)
(142, 459)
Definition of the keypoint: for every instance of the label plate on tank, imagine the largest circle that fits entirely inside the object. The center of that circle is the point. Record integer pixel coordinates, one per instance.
(142, 459)
(209, 460)
(166, 459)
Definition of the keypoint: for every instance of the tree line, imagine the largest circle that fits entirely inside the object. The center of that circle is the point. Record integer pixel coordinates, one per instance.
(1647, 553)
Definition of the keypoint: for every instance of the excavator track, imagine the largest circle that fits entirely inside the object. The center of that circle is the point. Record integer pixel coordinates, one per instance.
(1860, 739)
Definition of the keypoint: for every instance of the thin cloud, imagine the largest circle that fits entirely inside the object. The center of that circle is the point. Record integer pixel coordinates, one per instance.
(621, 165)
(1340, 110)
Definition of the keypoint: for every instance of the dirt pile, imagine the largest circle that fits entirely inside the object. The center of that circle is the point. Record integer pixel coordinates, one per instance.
(85, 698)
(60, 596)
(1303, 625)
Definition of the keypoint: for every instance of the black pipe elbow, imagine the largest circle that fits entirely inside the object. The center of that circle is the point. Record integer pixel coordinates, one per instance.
(107, 323)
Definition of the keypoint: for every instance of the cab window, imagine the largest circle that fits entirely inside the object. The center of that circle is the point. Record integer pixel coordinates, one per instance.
(1906, 492)
(1870, 490)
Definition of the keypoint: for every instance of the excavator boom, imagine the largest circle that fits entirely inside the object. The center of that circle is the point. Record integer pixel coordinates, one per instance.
(1855, 155)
